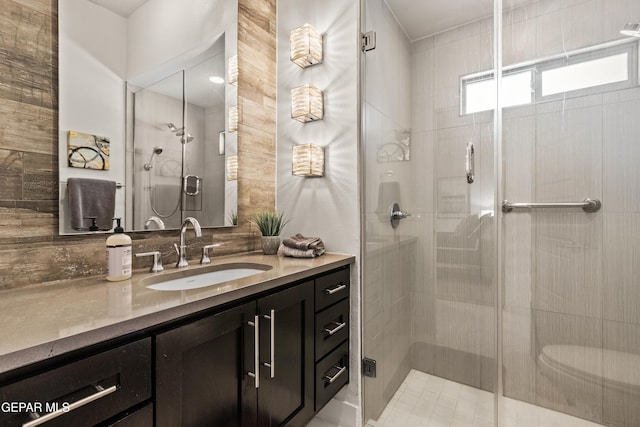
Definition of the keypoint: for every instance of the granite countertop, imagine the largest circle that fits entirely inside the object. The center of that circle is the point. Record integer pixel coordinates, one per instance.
(43, 321)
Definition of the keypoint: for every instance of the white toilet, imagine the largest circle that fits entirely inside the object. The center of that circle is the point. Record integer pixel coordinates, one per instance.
(573, 367)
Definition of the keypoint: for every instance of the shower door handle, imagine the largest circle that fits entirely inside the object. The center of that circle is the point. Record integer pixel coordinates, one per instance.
(396, 215)
(469, 163)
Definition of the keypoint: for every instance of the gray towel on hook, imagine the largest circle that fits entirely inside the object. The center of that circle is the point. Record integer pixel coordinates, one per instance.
(91, 198)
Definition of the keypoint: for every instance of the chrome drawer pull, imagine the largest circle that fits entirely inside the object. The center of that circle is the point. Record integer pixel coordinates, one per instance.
(101, 392)
(272, 364)
(331, 291)
(332, 379)
(256, 357)
(336, 329)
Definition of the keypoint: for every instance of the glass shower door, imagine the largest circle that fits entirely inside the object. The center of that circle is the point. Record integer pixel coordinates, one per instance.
(429, 284)
(570, 317)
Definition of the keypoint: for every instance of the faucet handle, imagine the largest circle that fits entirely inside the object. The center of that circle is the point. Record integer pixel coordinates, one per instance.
(205, 253)
(157, 261)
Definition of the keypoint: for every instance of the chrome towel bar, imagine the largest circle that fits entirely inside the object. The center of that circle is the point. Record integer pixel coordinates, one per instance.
(588, 205)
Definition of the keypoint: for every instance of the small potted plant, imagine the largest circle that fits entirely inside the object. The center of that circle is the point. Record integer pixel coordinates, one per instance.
(233, 217)
(270, 223)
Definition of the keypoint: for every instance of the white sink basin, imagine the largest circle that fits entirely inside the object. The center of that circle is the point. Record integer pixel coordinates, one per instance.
(193, 279)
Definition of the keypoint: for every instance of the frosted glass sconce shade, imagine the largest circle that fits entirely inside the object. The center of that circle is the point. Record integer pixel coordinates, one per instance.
(232, 168)
(306, 103)
(308, 160)
(306, 46)
(232, 70)
(233, 119)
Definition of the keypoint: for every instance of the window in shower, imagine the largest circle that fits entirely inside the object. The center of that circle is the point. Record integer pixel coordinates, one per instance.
(602, 69)
(479, 92)
(597, 69)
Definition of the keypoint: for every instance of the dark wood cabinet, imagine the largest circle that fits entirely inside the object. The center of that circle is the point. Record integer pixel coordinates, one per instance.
(201, 372)
(205, 370)
(331, 334)
(86, 392)
(269, 360)
(285, 395)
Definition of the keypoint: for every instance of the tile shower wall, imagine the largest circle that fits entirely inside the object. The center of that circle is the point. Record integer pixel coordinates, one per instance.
(570, 277)
(453, 324)
(32, 252)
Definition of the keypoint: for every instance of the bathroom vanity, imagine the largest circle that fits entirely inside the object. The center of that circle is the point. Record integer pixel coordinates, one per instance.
(266, 350)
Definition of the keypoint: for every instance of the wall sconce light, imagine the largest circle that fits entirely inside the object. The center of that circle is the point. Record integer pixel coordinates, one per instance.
(308, 160)
(233, 119)
(306, 103)
(232, 70)
(306, 46)
(232, 168)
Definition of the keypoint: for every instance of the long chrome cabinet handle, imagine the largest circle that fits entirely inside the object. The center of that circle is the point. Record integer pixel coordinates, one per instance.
(101, 392)
(336, 329)
(272, 363)
(256, 354)
(588, 205)
(470, 163)
(331, 291)
(332, 379)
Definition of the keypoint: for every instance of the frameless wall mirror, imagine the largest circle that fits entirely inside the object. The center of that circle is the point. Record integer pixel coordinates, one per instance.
(144, 90)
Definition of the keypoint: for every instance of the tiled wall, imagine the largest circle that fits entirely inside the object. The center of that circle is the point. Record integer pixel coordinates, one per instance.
(570, 277)
(32, 252)
(454, 324)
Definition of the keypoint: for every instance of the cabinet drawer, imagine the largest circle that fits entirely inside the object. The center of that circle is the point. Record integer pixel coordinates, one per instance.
(143, 417)
(91, 390)
(332, 327)
(332, 288)
(332, 373)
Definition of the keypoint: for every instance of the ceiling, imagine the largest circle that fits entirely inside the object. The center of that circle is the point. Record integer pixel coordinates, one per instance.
(420, 18)
(123, 8)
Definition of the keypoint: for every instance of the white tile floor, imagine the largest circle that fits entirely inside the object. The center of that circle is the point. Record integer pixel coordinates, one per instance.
(424, 400)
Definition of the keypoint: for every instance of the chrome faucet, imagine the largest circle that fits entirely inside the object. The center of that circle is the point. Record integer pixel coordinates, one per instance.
(154, 219)
(182, 249)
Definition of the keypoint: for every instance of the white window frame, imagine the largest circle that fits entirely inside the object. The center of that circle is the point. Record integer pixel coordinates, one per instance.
(589, 55)
(631, 46)
(474, 78)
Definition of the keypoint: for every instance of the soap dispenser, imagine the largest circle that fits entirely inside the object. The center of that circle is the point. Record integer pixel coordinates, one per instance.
(118, 254)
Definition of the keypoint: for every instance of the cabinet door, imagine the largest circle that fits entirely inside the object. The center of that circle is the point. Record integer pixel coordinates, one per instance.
(285, 395)
(201, 372)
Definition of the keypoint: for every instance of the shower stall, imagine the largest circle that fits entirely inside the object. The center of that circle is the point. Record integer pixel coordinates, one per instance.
(502, 289)
(179, 147)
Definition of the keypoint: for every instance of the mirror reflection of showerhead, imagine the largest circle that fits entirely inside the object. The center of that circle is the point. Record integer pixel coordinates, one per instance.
(180, 133)
(157, 150)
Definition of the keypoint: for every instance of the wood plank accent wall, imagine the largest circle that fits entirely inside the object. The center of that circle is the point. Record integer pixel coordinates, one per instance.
(31, 252)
